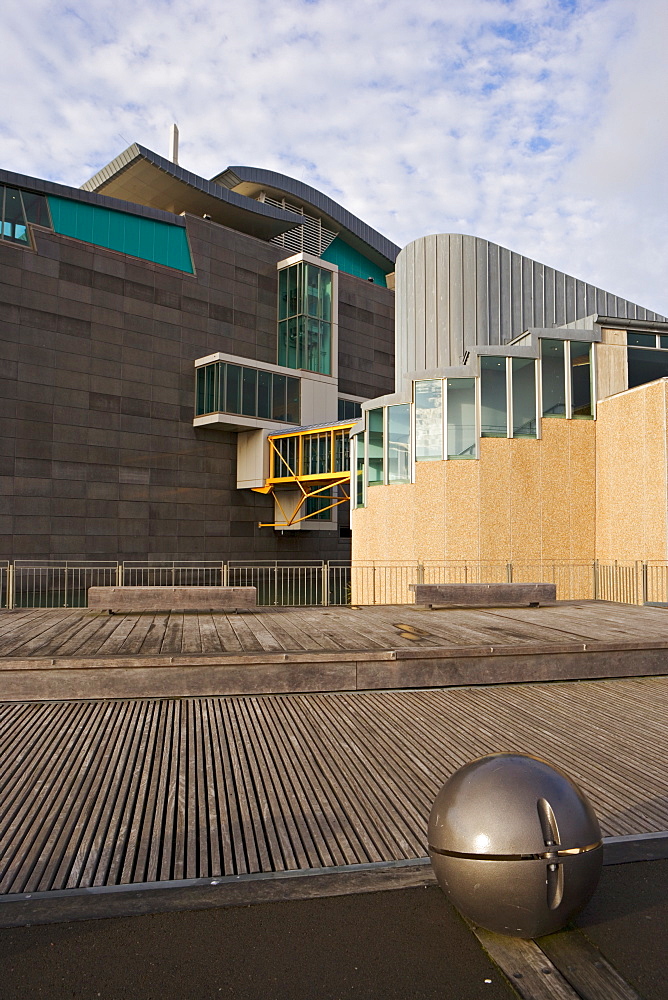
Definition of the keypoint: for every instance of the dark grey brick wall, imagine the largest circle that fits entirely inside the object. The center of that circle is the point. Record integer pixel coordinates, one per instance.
(98, 455)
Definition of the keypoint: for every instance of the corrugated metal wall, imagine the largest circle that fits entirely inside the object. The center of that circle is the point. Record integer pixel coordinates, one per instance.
(453, 291)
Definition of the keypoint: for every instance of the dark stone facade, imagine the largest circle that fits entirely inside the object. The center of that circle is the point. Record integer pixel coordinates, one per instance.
(98, 455)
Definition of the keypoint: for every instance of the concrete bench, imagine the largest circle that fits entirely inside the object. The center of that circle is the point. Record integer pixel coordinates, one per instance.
(168, 598)
(483, 595)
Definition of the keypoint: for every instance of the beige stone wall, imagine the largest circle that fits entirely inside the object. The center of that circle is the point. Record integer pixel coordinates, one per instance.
(612, 370)
(522, 500)
(632, 470)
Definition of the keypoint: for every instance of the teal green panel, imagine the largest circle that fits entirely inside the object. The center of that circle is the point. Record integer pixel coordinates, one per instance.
(100, 227)
(352, 262)
(117, 230)
(148, 239)
(82, 223)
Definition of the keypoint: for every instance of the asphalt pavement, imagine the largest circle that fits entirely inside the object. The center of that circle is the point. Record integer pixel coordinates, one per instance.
(401, 943)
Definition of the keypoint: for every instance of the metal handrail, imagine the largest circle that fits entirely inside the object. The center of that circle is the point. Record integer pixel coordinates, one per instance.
(316, 582)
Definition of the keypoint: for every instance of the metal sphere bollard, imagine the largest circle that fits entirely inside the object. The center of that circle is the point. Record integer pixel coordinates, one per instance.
(515, 844)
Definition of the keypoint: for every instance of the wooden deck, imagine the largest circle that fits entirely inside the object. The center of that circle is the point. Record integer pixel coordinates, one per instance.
(56, 654)
(115, 792)
(84, 633)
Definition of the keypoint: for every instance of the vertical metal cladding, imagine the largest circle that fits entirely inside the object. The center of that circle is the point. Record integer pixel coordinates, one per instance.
(455, 291)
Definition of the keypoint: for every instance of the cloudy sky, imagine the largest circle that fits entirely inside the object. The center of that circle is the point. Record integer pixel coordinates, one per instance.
(538, 124)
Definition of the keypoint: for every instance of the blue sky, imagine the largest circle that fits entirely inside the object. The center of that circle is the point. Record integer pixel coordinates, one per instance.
(538, 124)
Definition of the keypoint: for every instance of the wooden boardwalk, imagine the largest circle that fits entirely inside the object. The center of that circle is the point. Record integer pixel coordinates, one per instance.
(75, 654)
(111, 792)
(82, 633)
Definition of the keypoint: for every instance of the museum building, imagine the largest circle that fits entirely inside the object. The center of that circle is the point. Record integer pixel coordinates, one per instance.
(191, 369)
(528, 426)
(157, 329)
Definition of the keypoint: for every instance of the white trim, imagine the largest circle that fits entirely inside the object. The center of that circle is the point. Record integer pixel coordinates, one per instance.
(509, 398)
(310, 259)
(261, 366)
(235, 421)
(568, 401)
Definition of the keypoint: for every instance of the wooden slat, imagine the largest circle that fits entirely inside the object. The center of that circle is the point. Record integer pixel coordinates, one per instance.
(585, 968)
(80, 633)
(530, 971)
(117, 792)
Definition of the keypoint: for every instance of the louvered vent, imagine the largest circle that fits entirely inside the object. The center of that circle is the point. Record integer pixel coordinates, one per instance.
(311, 237)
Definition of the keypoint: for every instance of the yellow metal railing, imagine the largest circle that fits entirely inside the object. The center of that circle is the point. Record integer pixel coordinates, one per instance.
(315, 462)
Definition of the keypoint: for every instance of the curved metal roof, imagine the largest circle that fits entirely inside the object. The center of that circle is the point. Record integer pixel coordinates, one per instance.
(249, 180)
(143, 177)
(140, 176)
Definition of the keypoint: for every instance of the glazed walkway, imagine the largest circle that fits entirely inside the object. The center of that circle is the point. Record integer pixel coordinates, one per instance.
(106, 792)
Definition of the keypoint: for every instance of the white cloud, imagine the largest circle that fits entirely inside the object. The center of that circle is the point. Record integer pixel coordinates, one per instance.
(535, 123)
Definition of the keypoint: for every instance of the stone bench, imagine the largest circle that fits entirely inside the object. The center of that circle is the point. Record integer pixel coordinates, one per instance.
(170, 598)
(483, 595)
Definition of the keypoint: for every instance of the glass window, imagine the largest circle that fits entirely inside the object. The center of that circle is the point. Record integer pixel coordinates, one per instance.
(200, 381)
(292, 399)
(375, 446)
(213, 375)
(264, 382)
(285, 457)
(249, 392)
(493, 421)
(341, 451)
(580, 379)
(646, 366)
(429, 420)
(305, 314)
(398, 443)
(312, 345)
(325, 347)
(663, 342)
(553, 374)
(283, 344)
(233, 389)
(349, 409)
(225, 388)
(278, 403)
(461, 418)
(36, 209)
(316, 454)
(295, 328)
(359, 492)
(208, 389)
(524, 397)
(316, 506)
(640, 339)
(14, 225)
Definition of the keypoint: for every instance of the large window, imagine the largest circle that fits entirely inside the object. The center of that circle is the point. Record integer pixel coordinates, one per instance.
(524, 397)
(398, 443)
(580, 379)
(646, 365)
(553, 374)
(17, 209)
(461, 430)
(305, 318)
(359, 471)
(494, 420)
(248, 392)
(429, 420)
(375, 445)
(349, 409)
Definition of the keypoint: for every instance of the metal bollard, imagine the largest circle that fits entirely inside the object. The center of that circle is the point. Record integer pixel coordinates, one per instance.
(515, 844)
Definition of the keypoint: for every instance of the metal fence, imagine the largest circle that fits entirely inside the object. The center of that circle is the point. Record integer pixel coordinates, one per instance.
(383, 583)
(62, 584)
